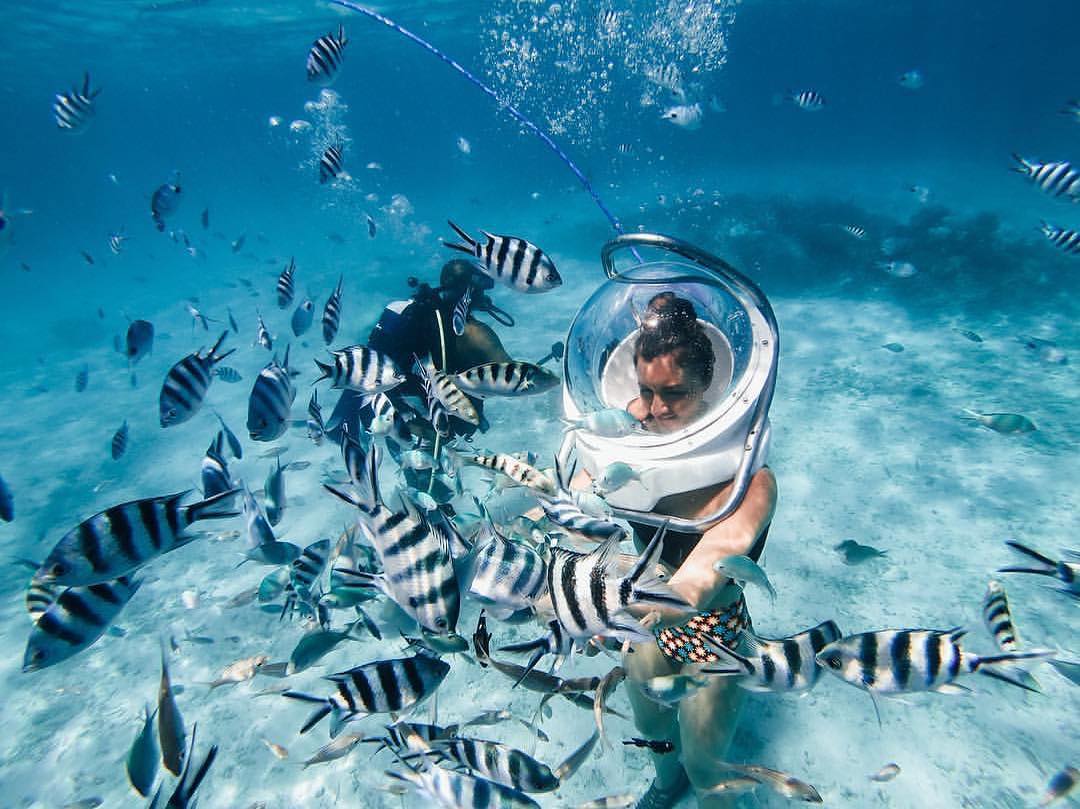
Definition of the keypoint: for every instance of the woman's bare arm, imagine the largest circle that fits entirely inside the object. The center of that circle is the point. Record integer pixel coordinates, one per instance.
(696, 580)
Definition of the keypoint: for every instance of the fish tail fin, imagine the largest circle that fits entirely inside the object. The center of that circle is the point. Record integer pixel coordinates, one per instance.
(1024, 166)
(208, 509)
(325, 369)
(971, 415)
(470, 243)
(646, 585)
(189, 783)
(320, 713)
(1021, 679)
(538, 647)
(1034, 554)
(213, 355)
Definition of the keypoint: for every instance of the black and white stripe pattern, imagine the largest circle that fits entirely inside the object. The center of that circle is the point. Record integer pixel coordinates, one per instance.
(362, 369)
(809, 100)
(286, 289)
(461, 312)
(457, 790)
(379, 687)
(1058, 179)
(505, 379)
(590, 597)
(270, 401)
(120, 539)
(214, 472)
(498, 763)
(508, 574)
(857, 231)
(998, 618)
(1066, 572)
(332, 314)
(1066, 240)
(309, 567)
(517, 470)
(418, 571)
(382, 414)
(119, 442)
(566, 514)
(39, 597)
(519, 264)
(781, 664)
(116, 243)
(77, 618)
(444, 394)
(186, 384)
(74, 110)
(898, 661)
(352, 453)
(330, 164)
(263, 337)
(325, 57)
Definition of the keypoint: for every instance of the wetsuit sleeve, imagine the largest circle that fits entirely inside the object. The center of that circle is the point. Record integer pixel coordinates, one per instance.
(483, 341)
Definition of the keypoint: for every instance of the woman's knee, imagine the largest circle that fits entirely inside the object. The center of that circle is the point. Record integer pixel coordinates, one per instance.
(707, 724)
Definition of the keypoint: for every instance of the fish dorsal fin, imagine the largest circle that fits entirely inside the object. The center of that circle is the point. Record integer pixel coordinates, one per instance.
(651, 555)
(607, 554)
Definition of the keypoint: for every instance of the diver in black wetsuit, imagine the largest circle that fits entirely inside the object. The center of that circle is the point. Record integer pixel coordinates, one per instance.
(422, 326)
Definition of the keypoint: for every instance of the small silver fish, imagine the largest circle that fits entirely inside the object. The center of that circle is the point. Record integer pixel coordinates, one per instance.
(1005, 423)
(886, 773)
(744, 569)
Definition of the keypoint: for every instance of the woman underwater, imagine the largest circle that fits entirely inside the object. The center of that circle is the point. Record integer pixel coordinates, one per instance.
(674, 359)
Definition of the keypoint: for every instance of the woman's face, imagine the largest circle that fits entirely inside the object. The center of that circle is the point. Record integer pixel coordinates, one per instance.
(670, 395)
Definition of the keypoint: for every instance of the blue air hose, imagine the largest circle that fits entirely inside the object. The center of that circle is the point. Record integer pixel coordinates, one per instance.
(520, 117)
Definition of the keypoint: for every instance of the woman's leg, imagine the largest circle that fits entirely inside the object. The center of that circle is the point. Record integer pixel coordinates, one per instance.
(653, 720)
(707, 720)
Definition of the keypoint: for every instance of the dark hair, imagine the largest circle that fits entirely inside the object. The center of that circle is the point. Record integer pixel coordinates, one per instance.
(670, 326)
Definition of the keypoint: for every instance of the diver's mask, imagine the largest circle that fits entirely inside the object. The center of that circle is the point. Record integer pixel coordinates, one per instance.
(730, 438)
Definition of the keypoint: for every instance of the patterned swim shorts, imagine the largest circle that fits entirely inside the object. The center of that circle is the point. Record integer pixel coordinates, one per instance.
(684, 644)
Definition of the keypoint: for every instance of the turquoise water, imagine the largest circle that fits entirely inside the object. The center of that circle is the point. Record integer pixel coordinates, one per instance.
(868, 443)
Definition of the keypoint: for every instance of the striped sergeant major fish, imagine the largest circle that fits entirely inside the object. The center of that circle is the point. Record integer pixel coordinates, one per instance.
(505, 379)
(901, 661)
(165, 201)
(316, 428)
(519, 264)
(809, 100)
(856, 231)
(360, 368)
(383, 686)
(382, 414)
(186, 383)
(352, 453)
(461, 312)
(270, 401)
(325, 57)
(332, 314)
(286, 286)
(1066, 240)
(668, 77)
(118, 540)
(119, 441)
(73, 110)
(262, 337)
(567, 514)
(304, 573)
(781, 664)
(590, 597)
(75, 620)
(418, 570)
(518, 471)
(444, 396)
(998, 617)
(507, 575)
(498, 763)
(116, 242)
(214, 472)
(1058, 179)
(453, 790)
(1066, 572)
(331, 163)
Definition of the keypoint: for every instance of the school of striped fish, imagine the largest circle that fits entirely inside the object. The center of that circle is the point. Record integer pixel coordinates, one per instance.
(425, 557)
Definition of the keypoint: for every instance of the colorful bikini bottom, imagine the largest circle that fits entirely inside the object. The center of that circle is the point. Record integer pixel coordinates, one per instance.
(685, 644)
